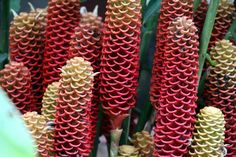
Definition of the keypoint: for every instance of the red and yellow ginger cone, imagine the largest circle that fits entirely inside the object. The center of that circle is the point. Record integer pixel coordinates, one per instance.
(170, 9)
(120, 57)
(27, 37)
(86, 43)
(176, 112)
(63, 17)
(224, 18)
(208, 137)
(200, 16)
(144, 142)
(220, 88)
(49, 112)
(73, 124)
(15, 79)
(37, 126)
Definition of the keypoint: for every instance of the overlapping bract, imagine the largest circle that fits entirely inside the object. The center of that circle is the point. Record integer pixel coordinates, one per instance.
(224, 18)
(73, 125)
(170, 9)
(16, 81)
(120, 56)
(27, 37)
(49, 101)
(49, 112)
(86, 43)
(176, 111)
(144, 142)
(220, 88)
(37, 124)
(208, 137)
(128, 151)
(63, 17)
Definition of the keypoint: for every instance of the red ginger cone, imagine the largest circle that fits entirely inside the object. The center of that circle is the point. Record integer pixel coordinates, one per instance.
(27, 39)
(63, 17)
(72, 124)
(224, 18)
(170, 9)
(86, 43)
(220, 89)
(16, 81)
(176, 112)
(120, 56)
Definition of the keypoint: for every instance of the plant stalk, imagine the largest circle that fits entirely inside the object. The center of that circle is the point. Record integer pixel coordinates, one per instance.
(206, 34)
(115, 140)
(126, 128)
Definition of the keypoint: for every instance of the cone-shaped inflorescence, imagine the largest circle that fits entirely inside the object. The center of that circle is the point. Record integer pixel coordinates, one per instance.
(128, 151)
(176, 112)
(16, 81)
(49, 112)
(220, 88)
(208, 136)
(86, 43)
(27, 39)
(63, 17)
(170, 9)
(224, 18)
(72, 125)
(37, 124)
(200, 16)
(49, 101)
(144, 142)
(120, 56)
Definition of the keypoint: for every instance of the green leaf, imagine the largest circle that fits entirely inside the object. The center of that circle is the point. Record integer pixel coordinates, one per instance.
(15, 140)
(196, 4)
(152, 9)
(15, 5)
(232, 32)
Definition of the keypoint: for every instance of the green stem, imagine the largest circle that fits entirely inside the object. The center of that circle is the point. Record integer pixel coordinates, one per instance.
(206, 33)
(115, 139)
(98, 130)
(231, 32)
(126, 128)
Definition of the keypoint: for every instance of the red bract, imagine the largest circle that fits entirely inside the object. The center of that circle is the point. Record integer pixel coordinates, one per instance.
(86, 43)
(27, 39)
(220, 89)
(16, 81)
(176, 112)
(120, 56)
(72, 124)
(170, 9)
(63, 17)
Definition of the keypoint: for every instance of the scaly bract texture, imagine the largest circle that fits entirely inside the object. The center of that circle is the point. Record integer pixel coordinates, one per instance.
(170, 9)
(15, 79)
(86, 43)
(72, 124)
(120, 56)
(27, 38)
(220, 88)
(176, 112)
(208, 137)
(128, 151)
(63, 17)
(37, 126)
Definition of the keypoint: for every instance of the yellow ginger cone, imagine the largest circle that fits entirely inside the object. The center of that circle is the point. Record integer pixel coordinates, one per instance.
(208, 137)
(128, 151)
(49, 112)
(37, 126)
(144, 142)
